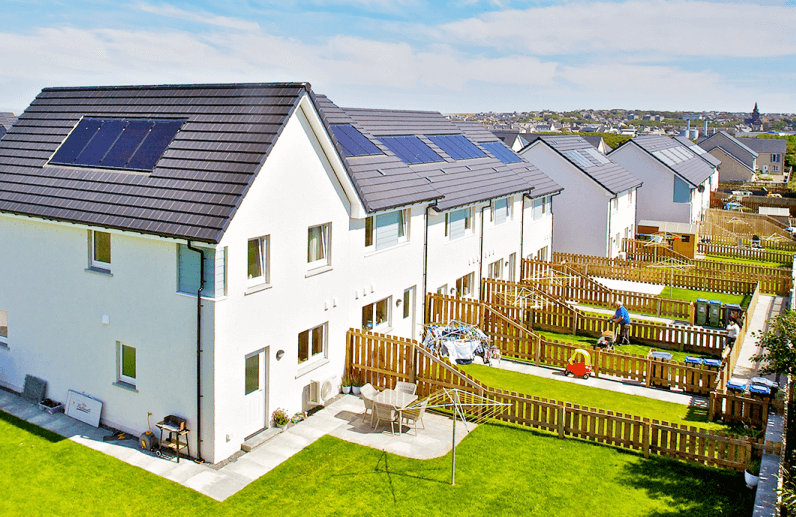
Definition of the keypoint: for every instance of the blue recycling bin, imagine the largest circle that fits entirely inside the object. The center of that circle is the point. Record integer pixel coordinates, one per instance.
(712, 364)
(701, 311)
(736, 385)
(693, 361)
(714, 313)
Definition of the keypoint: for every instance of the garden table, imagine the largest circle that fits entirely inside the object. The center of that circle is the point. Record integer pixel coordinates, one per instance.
(400, 400)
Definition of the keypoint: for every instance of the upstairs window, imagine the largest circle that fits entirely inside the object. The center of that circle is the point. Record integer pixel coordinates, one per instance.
(459, 223)
(100, 245)
(188, 275)
(501, 211)
(318, 245)
(3, 328)
(775, 158)
(257, 269)
(538, 208)
(387, 230)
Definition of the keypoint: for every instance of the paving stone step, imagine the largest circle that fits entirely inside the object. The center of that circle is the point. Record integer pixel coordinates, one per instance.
(259, 439)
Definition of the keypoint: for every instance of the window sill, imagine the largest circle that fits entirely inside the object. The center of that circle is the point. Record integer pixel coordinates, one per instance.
(384, 329)
(318, 271)
(370, 252)
(448, 240)
(99, 271)
(256, 289)
(304, 370)
(193, 295)
(125, 386)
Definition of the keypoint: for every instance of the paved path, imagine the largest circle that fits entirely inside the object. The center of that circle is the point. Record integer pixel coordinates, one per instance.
(342, 419)
(629, 285)
(768, 307)
(607, 383)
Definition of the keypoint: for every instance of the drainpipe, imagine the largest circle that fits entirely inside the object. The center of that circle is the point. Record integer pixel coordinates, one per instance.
(481, 260)
(522, 235)
(199, 350)
(425, 266)
(608, 241)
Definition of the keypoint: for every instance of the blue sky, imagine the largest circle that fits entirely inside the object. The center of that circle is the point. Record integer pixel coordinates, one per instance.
(449, 56)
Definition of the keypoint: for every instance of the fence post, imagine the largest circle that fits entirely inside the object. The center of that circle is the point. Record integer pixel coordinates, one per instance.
(561, 414)
(648, 379)
(596, 369)
(413, 366)
(538, 352)
(646, 432)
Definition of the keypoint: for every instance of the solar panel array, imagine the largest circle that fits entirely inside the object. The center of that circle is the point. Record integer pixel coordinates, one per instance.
(594, 153)
(410, 149)
(578, 158)
(133, 144)
(458, 147)
(501, 152)
(353, 142)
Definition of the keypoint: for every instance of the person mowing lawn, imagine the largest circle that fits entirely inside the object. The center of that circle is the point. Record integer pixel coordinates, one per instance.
(622, 317)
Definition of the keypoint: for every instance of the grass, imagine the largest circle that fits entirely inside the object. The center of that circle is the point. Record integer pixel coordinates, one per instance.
(499, 471)
(717, 258)
(691, 296)
(583, 394)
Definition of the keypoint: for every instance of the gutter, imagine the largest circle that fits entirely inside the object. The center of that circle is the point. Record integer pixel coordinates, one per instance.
(199, 350)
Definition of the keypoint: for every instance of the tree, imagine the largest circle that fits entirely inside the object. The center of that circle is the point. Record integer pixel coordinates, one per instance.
(779, 354)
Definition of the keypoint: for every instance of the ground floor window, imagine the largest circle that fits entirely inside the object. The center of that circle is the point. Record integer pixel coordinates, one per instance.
(312, 343)
(443, 289)
(376, 316)
(127, 364)
(495, 269)
(464, 285)
(3, 327)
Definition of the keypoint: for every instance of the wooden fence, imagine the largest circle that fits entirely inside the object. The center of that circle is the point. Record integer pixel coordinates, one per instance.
(515, 340)
(722, 250)
(382, 360)
(720, 223)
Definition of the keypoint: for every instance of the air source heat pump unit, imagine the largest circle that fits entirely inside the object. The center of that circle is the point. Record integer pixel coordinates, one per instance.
(321, 391)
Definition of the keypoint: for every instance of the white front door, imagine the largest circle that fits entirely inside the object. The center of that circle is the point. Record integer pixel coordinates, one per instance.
(254, 396)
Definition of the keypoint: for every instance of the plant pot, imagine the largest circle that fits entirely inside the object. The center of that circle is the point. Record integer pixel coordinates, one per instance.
(355, 390)
(751, 479)
(282, 427)
(52, 410)
(346, 389)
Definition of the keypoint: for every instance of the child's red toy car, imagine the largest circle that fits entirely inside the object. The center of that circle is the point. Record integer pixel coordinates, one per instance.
(579, 364)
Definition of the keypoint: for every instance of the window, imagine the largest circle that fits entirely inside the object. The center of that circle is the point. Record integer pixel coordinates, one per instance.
(775, 168)
(542, 254)
(188, 271)
(312, 344)
(127, 364)
(464, 285)
(538, 208)
(376, 316)
(775, 158)
(257, 268)
(387, 230)
(459, 223)
(100, 245)
(630, 197)
(318, 245)
(3, 327)
(501, 211)
(544, 204)
(442, 289)
(615, 204)
(408, 301)
(495, 269)
(512, 267)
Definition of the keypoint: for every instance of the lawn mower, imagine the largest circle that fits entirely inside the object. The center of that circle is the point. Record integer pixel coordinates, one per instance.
(606, 340)
(579, 364)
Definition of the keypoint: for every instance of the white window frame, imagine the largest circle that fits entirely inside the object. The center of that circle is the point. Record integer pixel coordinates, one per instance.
(4, 319)
(371, 223)
(93, 261)
(384, 325)
(326, 234)
(408, 302)
(630, 197)
(323, 354)
(465, 285)
(121, 376)
(495, 270)
(443, 289)
(469, 223)
(264, 277)
(509, 210)
(615, 203)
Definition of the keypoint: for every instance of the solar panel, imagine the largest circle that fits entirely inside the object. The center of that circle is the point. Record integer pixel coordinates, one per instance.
(501, 152)
(457, 147)
(117, 143)
(353, 142)
(578, 158)
(594, 153)
(410, 149)
(76, 141)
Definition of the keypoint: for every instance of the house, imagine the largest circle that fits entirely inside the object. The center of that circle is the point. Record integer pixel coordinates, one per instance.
(598, 142)
(770, 153)
(677, 181)
(7, 120)
(738, 161)
(215, 243)
(598, 204)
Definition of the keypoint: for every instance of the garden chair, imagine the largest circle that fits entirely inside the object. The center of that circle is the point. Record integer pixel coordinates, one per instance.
(415, 413)
(406, 387)
(368, 393)
(386, 413)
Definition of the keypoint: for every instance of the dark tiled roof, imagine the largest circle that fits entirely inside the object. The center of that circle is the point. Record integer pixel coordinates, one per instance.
(611, 176)
(731, 145)
(7, 119)
(196, 186)
(595, 140)
(695, 170)
(2, 132)
(766, 145)
(730, 156)
(385, 181)
(712, 160)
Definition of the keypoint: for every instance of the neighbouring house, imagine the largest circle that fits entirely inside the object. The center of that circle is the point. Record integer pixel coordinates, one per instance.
(770, 153)
(598, 142)
(215, 243)
(738, 161)
(597, 208)
(7, 120)
(677, 181)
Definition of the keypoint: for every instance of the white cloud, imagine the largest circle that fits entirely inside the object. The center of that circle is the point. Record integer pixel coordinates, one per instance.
(671, 27)
(200, 17)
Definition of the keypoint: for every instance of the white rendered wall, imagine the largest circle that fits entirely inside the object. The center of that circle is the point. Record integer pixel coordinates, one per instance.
(537, 234)
(55, 311)
(296, 188)
(449, 260)
(655, 199)
(501, 240)
(580, 224)
(622, 219)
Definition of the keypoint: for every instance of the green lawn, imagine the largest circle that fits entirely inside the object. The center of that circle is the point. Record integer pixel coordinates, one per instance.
(642, 350)
(691, 296)
(583, 394)
(717, 258)
(499, 471)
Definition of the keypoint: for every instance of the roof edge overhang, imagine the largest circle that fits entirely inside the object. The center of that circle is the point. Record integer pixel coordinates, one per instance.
(484, 200)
